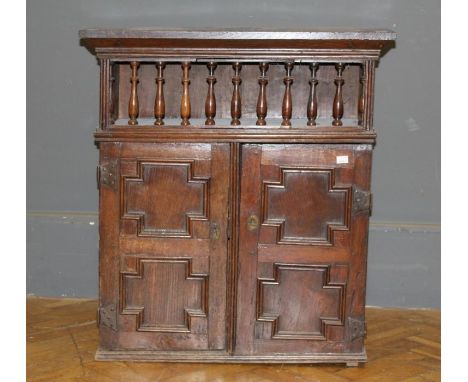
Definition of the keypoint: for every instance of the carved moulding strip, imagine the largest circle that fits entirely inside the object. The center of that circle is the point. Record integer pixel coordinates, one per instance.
(281, 238)
(327, 285)
(145, 231)
(223, 357)
(231, 55)
(139, 311)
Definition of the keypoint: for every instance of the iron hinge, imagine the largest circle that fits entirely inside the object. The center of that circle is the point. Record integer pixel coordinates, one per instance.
(107, 316)
(362, 201)
(356, 328)
(107, 174)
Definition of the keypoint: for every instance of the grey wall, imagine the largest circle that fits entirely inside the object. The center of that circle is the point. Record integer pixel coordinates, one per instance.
(62, 112)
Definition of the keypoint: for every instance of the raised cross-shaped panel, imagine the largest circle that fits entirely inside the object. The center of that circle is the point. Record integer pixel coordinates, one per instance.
(305, 206)
(300, 301)
(164, 198)
(164, 294)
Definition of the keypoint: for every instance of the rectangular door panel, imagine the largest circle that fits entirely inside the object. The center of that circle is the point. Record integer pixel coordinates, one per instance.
(166, 277)
(302, 245)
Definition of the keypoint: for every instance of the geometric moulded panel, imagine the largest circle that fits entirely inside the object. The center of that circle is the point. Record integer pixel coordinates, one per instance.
(164, 294)
(164, 198)
(305, 206)
(300, 301)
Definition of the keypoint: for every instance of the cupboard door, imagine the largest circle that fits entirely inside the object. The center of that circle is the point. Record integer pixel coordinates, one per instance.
(302, 248)
(164, 246)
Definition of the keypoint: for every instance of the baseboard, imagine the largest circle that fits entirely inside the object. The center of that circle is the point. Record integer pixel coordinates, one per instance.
(351, 359)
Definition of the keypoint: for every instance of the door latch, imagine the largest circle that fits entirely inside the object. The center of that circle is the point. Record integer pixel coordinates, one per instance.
(214, 231)
(252, 222)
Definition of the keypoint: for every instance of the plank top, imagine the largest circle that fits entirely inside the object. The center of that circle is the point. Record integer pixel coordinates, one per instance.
(237, 43)
(239, 34)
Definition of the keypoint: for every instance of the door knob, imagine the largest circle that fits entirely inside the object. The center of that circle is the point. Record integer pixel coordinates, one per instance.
(252, 222)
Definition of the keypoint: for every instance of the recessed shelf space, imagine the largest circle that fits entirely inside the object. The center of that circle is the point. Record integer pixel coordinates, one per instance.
(270, 94)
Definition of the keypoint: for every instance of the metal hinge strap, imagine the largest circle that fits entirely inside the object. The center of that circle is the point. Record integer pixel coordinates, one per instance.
(107, 174)
(108, 316)
(357, 328)
(362, 201)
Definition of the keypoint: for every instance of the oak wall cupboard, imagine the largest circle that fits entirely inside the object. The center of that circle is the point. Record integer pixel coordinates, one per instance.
(234, 182)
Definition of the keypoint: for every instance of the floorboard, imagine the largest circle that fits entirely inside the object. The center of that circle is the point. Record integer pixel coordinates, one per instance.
(401, 344)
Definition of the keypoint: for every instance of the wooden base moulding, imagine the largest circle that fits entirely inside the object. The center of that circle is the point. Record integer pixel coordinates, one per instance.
(351, 359)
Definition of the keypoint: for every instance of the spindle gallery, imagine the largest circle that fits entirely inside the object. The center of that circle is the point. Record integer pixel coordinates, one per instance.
(306, 114)
(234, 185)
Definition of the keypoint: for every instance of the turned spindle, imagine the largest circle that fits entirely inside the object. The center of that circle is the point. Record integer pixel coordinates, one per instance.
(338, 100)
(133, 106)
(236, 97)
(210, 103)
(286, 109)
(362, 98)
(312, 104)
(262, 99)
(159, 103)
(185, 101)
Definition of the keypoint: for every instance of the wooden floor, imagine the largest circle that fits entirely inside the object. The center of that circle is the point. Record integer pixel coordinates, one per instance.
(402, 345)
